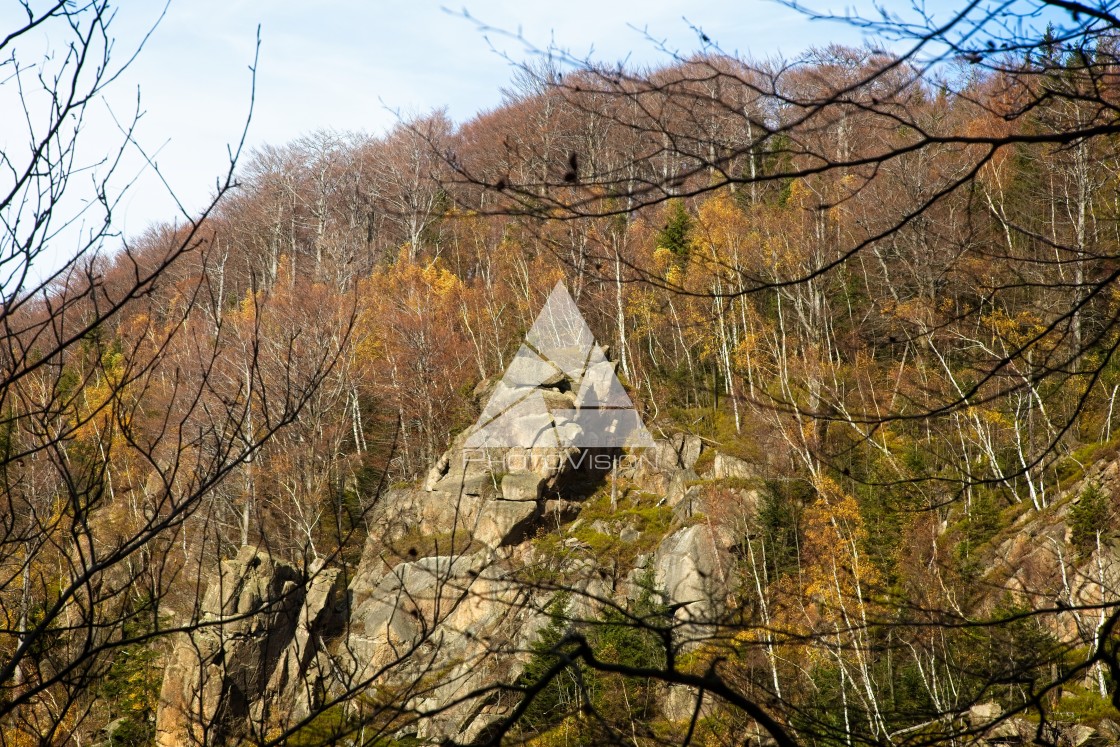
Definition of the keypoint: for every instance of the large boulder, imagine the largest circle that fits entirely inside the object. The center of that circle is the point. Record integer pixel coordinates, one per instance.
(725, 466)
(690, 571)
(409, 511)
(503, 523)
(680, 702)
(303, 671)
(462, 618)
(657, 466)
(679, 485)
(253, 664)
(522, 486)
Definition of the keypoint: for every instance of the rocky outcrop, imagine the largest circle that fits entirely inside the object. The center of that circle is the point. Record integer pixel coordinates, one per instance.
(438, 609)
(994, 727)
(669, 458)
(1035, 563)
(257, 660)
(496, 496)
(693, 573)
(506, 522)
(725, 466)
(447, 626)
(444, 602)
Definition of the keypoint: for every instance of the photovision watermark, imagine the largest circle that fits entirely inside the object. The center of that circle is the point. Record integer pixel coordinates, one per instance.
(560, 394)
(582, 459)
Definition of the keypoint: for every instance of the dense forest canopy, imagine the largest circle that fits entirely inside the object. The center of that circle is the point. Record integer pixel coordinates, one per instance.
(889, 284)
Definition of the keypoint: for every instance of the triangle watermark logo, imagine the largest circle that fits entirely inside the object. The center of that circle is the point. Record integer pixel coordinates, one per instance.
(560, 390)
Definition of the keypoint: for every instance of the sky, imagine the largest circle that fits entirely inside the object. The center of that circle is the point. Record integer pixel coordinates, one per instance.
(352, 65)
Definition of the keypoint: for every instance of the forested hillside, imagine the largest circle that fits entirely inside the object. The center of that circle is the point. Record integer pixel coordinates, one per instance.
(867, 307)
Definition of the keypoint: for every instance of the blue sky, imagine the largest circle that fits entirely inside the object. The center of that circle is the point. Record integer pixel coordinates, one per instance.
(349, 65)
